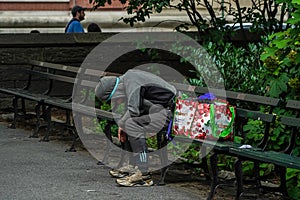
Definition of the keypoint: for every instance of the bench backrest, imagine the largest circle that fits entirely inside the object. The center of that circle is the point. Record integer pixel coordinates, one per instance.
(51, 72)
(89, 79)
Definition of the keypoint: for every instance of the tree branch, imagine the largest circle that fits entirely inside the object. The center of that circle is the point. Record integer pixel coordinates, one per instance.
(211, 13)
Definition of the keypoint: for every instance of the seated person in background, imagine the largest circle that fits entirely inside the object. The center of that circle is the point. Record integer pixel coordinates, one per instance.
(93, 27)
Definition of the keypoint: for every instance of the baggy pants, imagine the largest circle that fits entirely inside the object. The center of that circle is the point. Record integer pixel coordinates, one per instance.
(137, 128)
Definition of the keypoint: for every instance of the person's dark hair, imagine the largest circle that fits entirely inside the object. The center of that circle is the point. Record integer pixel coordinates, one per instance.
(93, 27)
(34, 31)
(76, 9)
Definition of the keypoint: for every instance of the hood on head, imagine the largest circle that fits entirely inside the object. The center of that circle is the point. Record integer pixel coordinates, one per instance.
(105, 86)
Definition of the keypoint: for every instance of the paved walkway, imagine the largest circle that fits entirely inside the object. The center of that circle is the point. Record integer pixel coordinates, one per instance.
(38, 170)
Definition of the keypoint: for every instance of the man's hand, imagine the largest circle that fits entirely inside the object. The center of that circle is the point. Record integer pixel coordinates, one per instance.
(121, 135)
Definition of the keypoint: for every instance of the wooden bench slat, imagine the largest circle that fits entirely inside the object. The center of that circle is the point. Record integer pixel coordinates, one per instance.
(90, 111)
(228, 94)
(290, 121)
(253, 98)
(293, 104)
(51, 76)
(23, 93)
(87, 83)
(94, 72)
(277, 158)
(256, 115)
(53, 66)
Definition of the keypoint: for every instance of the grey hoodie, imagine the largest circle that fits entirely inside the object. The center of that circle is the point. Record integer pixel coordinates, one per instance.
(138, 91)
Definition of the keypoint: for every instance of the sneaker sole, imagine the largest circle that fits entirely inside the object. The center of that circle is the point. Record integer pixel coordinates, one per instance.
(138, 184)
(125, 177)
(118, 175)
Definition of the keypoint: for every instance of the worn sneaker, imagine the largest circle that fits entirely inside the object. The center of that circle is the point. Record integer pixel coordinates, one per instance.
(136, 179)
(123, 171)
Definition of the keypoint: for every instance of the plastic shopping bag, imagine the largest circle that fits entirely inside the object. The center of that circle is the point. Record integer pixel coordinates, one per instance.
(204, 120)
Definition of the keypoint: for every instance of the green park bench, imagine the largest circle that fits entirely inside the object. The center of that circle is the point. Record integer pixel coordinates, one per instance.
(247, 108)
(281, 159)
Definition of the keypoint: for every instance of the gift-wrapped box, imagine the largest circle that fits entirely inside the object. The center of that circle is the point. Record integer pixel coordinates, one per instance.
(203, 120)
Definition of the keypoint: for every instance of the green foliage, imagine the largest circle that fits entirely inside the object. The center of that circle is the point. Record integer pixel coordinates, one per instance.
(248, 168)
(267, 16)
(293, 183)
(152, 142)
(239, 66)
(281, 59)
(265, 169)
(100, 124)
(226, 162)
(254, 132)
(192, 154)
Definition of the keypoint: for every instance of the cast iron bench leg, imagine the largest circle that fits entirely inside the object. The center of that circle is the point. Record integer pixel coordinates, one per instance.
(15, 106)
(38, 123)
(107, 131)
(161, 144)
(204, 165)
(48, 119)
(257, 175)
(164, 162)
(72, 129)
(214, 171)
(75, 139)
(23, 107)
(282, 171)
(282, 187)
(163, 172)
(238, 175)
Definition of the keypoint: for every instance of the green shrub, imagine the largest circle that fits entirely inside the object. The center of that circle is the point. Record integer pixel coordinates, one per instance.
(281, 60)
(239, 66)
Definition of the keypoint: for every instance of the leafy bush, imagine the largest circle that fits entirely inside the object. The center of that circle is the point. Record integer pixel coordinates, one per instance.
(239, 66)
(281, 60)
